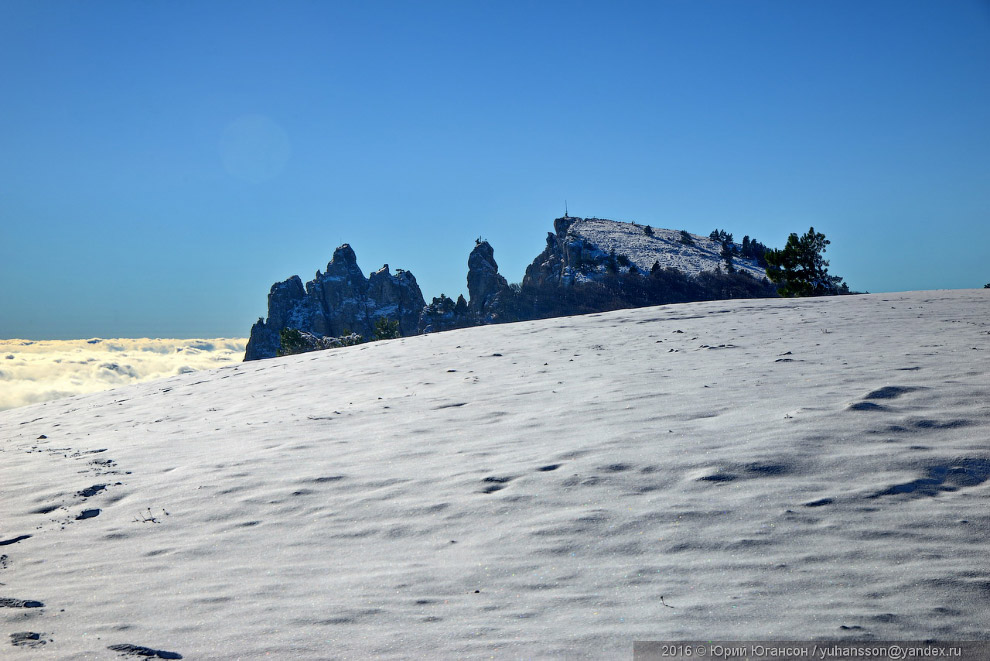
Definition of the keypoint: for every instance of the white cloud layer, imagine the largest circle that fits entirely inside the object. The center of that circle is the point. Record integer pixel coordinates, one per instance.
(36, 371)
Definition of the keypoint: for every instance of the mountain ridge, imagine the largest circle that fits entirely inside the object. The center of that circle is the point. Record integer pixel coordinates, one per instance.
(588, 265)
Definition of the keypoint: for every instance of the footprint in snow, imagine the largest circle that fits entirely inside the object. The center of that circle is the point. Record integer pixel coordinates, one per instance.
(717, 477)
(91, 491)
(495, 483)
(886, 392)
(14, 540)
(867, 406)
(26, 639)
(890, 392)
(147, 652)
(6, 602)
(968, 472)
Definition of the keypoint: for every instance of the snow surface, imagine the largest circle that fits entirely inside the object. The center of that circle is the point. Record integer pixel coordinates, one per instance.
(664, 246)
(773, 469)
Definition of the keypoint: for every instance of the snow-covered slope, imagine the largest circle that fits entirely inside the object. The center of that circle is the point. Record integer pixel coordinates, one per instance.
(664, 246)
(773, 469)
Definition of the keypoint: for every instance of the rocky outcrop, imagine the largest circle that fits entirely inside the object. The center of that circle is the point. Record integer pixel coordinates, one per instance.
(590, 250)
(489, 293)
(336, 303)
(567, 257)
(445, 314)
(288, 307)
(594, 264)
(487, 290)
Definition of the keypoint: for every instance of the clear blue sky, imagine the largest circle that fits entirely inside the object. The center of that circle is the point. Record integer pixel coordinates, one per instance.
(163, 163)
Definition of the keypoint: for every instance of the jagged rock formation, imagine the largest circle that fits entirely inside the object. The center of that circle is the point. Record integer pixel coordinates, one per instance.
(336, 303)
(445, 314)
(488, 294)
(487, 289)
(554, 264)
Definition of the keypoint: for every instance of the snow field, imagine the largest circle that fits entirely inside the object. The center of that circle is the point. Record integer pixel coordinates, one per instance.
(774, 469)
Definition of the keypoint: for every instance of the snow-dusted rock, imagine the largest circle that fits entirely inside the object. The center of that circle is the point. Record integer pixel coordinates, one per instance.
(489, 294)
(445, 314)
(579, 251)
(336, 303)
(486, 288)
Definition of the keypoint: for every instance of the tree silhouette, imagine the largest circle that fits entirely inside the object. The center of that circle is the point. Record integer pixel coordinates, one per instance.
(799, 268)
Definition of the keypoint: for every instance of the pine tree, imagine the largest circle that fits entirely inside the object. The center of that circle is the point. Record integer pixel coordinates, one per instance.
(726, 254)
(291, 342)
(611, 262)
(386, 329)
(799, 268)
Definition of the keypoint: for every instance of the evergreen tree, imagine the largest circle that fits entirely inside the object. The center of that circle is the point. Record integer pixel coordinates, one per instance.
(721, 236)
(386, 329)
(291, 342)
(756, 251)
(611, 262)
(799, 268)
(726, 254)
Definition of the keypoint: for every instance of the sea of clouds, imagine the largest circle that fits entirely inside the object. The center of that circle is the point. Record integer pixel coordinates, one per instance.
(39, 370)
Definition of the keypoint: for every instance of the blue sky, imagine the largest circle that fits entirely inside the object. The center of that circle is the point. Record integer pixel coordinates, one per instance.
(163, 163)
